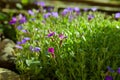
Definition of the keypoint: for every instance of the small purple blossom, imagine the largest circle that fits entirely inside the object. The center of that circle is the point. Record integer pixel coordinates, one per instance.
(118, 70)
(13, 21)
(62, 36)
(25, 31)
(47, 15)
(19, 27)
(108, 77)
(85, 9)
(19, 42)
(51, 50)
(26, 38)
(23, 41)
(35, 49)
(94, 9)
(19, 47)
(117, 15)
(77, 10)
(110, 69)
(51, 34)
(22, 19)
(40, 4)
(30, 12)
(65, 12)
(90, 17)
(55, 14)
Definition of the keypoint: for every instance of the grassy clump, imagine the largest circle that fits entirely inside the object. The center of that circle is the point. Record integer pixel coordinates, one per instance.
(70, 47)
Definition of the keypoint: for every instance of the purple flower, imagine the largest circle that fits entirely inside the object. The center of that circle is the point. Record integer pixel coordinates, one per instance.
(62, 36)
(65, 12)
(90, 17)
(94, 9)
(70, 9)
(23, 41)
(55, 14)
(117, 15)
(13, 21)
(30, 12)
(26, 38)
(35, 49)
(19, 47)
(40, 4)
(19, 27)
(85, 9)
(22, 19)
(25, 31)
(51, 34)
(48, 9)
(110, 69)
(77, 10)
(47, 15)
(51, 50)
(18, 42)
(108, 78)
(118, 70)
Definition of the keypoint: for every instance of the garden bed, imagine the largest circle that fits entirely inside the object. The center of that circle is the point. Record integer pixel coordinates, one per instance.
(71, 44)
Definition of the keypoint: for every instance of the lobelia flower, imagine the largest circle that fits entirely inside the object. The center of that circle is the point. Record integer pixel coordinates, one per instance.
(77, 10)
(94, 9)
(117, 15)
(108, 77)
(55, 14)
(35, 49)
(110, 69)
(85, 9)
(30, 12)
(90, 17)
(13, 21)
(19, 27)
(118, 70)
(47, 15)
(51, 34)
(19, 47)
(49, 9)
(51, 50)
(25, 31)
(40, 4)
(22, 19)
(65, 12)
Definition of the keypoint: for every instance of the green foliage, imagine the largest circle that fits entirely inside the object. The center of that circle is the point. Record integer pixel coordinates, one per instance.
(90, 46)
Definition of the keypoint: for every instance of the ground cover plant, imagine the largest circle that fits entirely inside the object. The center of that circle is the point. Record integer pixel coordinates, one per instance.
(71, 45)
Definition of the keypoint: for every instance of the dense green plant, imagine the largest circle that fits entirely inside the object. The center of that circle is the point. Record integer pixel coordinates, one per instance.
(68, 47)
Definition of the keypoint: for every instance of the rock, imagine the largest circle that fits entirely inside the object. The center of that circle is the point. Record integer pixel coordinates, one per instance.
(6, 74)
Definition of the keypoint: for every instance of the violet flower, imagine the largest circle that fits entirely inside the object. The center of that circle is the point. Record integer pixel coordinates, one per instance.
(22, 19)
(62, 36)
(19, 27)
(110, 69)
(47, 15)
(117, 15)
(30, 12)
(51, 34)
(65, 12)
(108, 77)
(13, 21)
(90, 17)
(26, 38)
(77, 10)
(40, 4)
(55, 14)
(35, 49)
(118, 71)
(24, 31)
(94, 9)
(19, 47)
(51, 50)
(85, 9)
